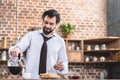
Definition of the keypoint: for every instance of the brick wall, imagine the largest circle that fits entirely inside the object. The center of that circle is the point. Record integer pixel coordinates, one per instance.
(89, 16)
(89, 71)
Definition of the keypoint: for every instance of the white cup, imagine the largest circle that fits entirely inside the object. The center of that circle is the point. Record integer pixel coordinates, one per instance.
(78, 48)
(103, 46)
(97, 47)
(87, 59)
(26, 75)
(69, 47)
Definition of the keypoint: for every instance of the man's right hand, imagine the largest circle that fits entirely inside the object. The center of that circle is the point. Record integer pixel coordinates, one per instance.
(15, 52)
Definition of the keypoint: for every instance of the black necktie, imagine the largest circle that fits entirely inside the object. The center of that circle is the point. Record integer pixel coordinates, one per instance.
(43, 56)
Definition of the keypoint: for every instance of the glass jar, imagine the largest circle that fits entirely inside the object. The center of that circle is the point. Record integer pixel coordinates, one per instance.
(89, 47)
(96, 47)
(4, 42)
(4, 55)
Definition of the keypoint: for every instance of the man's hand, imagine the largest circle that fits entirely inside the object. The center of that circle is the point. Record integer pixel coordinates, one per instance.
(59, 65)
(15, 52)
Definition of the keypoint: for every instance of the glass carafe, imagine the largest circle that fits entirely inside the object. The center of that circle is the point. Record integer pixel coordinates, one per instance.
(15, 65)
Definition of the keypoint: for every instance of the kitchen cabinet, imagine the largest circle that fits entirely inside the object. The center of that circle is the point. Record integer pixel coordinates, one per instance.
(103, 49)
(93, 50)
(74, 50)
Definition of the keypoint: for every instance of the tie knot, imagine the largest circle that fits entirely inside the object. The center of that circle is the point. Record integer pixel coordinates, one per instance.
(45, 38)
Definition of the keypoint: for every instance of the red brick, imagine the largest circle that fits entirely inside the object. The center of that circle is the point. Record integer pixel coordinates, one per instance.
(88, 16)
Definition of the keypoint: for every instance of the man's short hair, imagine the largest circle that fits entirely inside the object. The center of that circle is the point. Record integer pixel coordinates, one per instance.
(51, 13)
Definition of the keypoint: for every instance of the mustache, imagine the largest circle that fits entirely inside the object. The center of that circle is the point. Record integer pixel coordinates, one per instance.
(47, 28)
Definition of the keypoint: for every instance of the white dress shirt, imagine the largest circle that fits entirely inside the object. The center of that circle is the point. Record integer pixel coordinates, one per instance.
(32, 43)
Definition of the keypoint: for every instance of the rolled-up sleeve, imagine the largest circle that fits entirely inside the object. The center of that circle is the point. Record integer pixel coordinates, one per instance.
(63, 56)
(24, 42)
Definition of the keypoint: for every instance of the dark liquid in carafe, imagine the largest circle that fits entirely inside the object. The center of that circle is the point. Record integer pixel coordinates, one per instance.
(14, 69)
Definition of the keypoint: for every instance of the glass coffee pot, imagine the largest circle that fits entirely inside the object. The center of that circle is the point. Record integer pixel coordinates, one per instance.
(15, 64)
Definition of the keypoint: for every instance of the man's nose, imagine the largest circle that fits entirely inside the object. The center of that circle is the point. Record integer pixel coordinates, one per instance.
(48, 25)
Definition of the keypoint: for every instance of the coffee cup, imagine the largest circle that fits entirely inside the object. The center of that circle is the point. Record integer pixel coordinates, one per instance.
(26, 75)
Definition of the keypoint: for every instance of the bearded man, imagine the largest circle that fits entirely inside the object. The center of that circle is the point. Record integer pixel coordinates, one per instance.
(44, 48)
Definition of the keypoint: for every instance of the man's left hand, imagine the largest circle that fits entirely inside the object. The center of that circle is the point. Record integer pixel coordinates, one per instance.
(59, 66)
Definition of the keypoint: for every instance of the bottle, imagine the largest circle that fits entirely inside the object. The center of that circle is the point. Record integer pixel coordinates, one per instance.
(72, 46)
(4, 55)
(101, 75)
(4, 42)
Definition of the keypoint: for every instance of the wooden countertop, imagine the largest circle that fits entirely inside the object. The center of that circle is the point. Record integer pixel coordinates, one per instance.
(21, 78)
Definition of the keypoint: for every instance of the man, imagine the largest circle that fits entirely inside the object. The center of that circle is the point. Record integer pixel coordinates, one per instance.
(32, 43)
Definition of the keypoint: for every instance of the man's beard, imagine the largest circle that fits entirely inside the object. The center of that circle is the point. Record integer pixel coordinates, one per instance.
(47, 30)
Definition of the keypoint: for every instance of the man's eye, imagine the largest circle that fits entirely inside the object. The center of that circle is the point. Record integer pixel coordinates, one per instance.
(45, 22)
(51, 23)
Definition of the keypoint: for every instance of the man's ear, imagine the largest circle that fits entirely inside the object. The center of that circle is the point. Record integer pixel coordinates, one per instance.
(57, 26)
(42, 24)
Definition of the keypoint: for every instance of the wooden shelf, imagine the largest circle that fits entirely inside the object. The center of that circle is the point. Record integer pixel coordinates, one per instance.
(72, 39)
(3, 60)
(101, 40)
(2, 49)
(100, 51)
(76, 62)
(77, 56)
(107, 61)
(74, 50)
